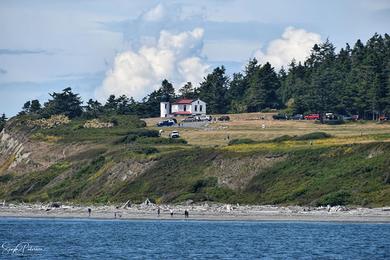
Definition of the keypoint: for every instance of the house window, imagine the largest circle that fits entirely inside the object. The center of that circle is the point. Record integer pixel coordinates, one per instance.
(196, 108)
(200, 108)
(185, 107)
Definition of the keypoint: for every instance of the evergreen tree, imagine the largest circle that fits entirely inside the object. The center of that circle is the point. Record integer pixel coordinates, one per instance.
(263, 87)
(93, 109)
(236, 93)
(35, 106)
(3, 120)
(167, 91)
(187, 91)
(66, 103)
(213, 90)
(26, 107)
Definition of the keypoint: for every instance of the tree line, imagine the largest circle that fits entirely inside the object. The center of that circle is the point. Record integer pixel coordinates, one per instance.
(353, 81)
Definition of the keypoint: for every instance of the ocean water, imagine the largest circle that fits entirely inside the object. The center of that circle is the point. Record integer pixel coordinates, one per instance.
(135, 239)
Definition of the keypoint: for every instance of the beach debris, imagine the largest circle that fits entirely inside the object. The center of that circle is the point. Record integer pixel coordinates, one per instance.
(228, 208)
(55, 205)
(126, 205)
(147, 202)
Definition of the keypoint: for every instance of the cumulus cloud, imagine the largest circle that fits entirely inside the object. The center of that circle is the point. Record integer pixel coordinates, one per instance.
(294, 44)
(175, 57)
(155, 14)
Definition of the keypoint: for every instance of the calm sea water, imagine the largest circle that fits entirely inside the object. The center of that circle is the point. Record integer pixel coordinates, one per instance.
(100, 239)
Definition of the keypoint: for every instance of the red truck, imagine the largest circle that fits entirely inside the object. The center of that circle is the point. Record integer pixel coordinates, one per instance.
(312, 117)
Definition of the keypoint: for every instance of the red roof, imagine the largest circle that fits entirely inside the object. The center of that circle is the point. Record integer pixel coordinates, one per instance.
(184, 101)
(182, 113)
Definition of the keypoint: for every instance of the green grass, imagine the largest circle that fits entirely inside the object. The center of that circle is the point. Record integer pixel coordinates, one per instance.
(75, 132)
(332, 175)
(314, 173)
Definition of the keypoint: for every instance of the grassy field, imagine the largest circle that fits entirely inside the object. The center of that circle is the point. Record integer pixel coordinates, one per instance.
(287, 162)
(251, 126)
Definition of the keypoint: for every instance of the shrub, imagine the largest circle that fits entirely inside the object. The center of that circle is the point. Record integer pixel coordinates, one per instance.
(5, 178)
(335, 198)
(146, 150)
(241, 141)
(160, 140)
(94, 123)
(283, 138)
(203, 183)
(134, 134)
(312, 136)
(53, 121)
(334, 122)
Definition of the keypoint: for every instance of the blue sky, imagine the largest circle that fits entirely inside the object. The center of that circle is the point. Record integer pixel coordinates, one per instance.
(100, 47)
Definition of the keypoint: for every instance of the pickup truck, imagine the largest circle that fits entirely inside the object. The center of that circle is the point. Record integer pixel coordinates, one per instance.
(312, 117)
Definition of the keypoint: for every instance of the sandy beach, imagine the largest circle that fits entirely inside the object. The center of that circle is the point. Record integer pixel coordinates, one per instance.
(202, 211)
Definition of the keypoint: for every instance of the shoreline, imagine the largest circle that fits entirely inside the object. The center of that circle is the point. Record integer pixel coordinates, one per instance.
(202, 212)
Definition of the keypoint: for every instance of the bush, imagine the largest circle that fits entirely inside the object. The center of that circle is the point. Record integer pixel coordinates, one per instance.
(5, 178)
(312, 136)
(283, 138)
(135, 134)
(335, 198)
(203, 183)
(53, 121)
(145, 150)
(334, 122)
(241, 141)
(160, 140)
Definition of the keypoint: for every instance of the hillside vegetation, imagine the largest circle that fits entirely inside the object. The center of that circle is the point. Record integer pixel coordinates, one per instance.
(131, 162)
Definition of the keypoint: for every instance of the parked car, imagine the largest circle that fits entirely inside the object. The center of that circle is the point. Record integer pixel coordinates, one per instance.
(224, 118)
(312, 117)
(330, 116)
(297, 117)
(280, 117)
(383, 118)
(355, 117)
(189, 119)
(174, 134)
(350, 118)
(169, 122)
(205, 118)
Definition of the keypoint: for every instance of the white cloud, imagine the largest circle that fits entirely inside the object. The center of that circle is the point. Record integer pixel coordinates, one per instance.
(294, 44)
(175, 57)
(155, 14)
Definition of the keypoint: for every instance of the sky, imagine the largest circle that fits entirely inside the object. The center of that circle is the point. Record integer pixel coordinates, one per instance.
(100, 47)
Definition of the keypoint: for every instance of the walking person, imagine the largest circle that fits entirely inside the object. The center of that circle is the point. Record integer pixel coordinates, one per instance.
(186, 214)
(89, 212)
(171, 211)
(158, 211)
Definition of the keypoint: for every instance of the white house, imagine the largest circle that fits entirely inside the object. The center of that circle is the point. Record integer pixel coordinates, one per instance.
(183, 107)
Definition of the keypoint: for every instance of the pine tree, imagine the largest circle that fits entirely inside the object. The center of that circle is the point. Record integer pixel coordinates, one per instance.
(3, 120)
(213, 90)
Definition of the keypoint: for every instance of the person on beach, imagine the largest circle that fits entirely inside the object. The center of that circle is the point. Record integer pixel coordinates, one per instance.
(89, 212)
(171, 211)
(186, 214)
(158, 211)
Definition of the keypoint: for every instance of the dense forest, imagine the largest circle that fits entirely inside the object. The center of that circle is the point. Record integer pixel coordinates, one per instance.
(356, 80)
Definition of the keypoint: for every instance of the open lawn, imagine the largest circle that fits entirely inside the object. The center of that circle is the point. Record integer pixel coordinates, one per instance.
(250, 125)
